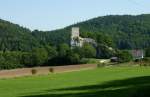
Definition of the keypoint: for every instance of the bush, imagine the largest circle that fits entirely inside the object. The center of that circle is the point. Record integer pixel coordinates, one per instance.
(124, 56)
(73, 58)
(88, 51)
(10, 60)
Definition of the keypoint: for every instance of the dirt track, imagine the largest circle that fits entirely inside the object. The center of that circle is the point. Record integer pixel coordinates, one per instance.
(43, 70)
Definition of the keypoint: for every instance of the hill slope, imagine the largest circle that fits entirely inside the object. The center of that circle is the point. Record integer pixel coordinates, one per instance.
(126, 31)
(14, 37)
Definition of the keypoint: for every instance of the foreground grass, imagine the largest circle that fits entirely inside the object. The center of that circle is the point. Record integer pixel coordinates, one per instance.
(102, 82)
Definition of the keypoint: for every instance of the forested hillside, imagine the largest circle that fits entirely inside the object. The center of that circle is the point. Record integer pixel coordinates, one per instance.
(126, 32)
(52, 37)
(20, 47)
(16, 38)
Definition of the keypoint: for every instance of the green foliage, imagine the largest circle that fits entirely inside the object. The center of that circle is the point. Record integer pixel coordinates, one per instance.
(147, 52)
(63, 49)
(126, 32)
(124, 56)
(66, 56)
(47, 55)
(10, 60)
(55, 37)
(16, 38)
(88, 51)
(104, 39)
(27, 59)
(73, 57)
(21, 47)
(39, 56)
(105, 52)
(52, 51)
(123, 32)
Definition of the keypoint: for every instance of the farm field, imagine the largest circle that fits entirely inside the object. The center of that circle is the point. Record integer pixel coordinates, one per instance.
(100, 82)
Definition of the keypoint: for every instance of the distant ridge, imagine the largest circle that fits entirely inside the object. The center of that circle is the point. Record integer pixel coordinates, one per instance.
(126, 32)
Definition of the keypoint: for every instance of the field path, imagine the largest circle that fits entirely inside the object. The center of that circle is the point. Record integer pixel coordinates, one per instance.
(44, 70)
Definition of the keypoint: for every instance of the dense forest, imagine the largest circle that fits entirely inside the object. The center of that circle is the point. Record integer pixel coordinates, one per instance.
(21, 47)
(16, 38)
(126, 31)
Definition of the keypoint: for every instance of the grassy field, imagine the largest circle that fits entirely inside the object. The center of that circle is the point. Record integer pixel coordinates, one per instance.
(101, 82)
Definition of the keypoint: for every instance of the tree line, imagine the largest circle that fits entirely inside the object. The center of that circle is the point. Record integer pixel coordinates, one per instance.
(47, 56)
(60, 55)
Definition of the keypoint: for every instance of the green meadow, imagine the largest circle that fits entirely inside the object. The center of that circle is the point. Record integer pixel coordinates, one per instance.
(100, 82)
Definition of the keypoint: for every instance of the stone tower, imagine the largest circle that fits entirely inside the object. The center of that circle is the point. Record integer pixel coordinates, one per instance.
(75, 37)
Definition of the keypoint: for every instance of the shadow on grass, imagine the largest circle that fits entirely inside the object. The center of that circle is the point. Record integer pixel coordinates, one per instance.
(133, 87)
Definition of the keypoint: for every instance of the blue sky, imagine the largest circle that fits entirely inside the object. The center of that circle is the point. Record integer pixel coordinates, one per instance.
(54, 14)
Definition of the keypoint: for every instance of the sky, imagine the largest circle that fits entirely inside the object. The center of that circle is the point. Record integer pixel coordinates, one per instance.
(56, 14)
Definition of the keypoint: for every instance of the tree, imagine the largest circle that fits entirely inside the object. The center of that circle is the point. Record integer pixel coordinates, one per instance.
(73, 57)
(104, 51)
(88, 51)
(63, 49)
(124, 56)
(10, 60)
(27, 59)
(104, 39)
(2, 60)
(52, 52)
(39, 56)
